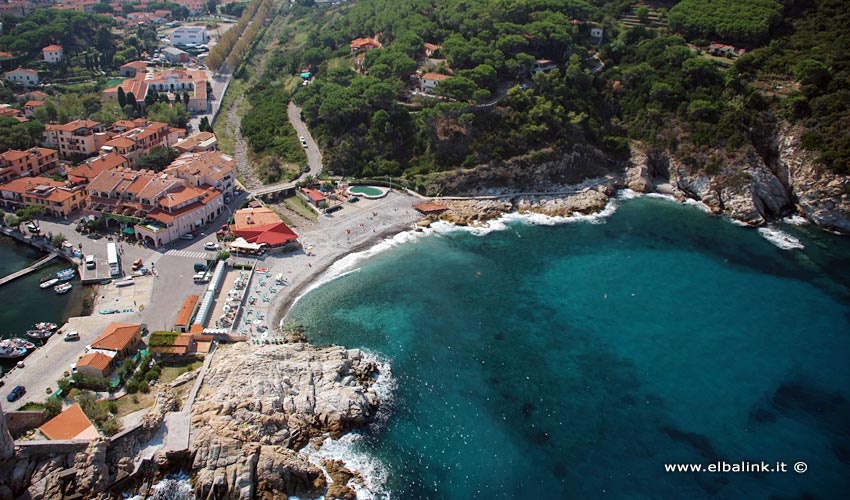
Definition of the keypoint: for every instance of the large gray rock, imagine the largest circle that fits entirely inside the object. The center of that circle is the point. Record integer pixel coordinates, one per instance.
(259, 404)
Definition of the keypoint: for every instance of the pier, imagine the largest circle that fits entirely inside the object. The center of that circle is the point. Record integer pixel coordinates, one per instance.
(23, 272)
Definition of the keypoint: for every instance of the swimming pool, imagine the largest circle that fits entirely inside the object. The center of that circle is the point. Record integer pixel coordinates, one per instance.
(370, 192)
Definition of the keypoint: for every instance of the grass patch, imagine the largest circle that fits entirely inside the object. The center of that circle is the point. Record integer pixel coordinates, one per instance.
(226, 137)
(33, 407)
(134, 402)
(169, 373)
(300, 207)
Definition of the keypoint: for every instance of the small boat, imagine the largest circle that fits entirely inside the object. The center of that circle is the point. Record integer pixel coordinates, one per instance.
(19, 342)
(49, 283)
(63, 288)
(11, 352)
(47, 277)
(44, 325)
(109, 311)
(125, 282)
(39, 334)
(66, 274)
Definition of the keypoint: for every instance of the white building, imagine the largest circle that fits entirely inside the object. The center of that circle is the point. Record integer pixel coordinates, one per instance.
(53, 54)
(185, 35)
(21, 76)
(430, 80)
(596, 32)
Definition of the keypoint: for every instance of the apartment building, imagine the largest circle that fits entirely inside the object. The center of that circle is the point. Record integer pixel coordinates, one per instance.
(58, 199)
(209, 168)
(31, 162)
(77, 139)
(137, 140)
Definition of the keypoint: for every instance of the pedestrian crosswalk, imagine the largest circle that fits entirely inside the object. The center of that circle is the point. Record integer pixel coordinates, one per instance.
(187, 253)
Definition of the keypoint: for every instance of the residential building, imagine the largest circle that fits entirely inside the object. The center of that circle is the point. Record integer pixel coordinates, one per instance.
(138, 140)
(430, 80)
(6, 55)
(198, 142)
(32, 162)
(95, 365)
(190, 35)
(430, 48)
(131, 69)
(118, 338)
(543, 65)
(176, 81)
(596, 32)
(30, 107)
(175, 55)
(166, 206)
(314, 197)
(21, 76)
(57, 199)
(86, 171)
(53, 54)
(211, 168)
(8, 110)
(364, 44)
(194, 7)
(261, 226)
(76, 139)
(69, 425)
(720, 49)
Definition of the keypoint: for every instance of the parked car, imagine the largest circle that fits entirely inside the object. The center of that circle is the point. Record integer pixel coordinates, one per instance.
(333, 209)
(187, 236)
(211, 245)
(70, 336)
(16, 393)
(200, 268)
(353, 199)
(137, 264)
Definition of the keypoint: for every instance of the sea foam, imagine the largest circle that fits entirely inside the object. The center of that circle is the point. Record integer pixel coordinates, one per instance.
(780, 238)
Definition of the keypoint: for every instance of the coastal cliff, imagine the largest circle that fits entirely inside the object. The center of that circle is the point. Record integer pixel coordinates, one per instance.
(259, 405)
(759, 183)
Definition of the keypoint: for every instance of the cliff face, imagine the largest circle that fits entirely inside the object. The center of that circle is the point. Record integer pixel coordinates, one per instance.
(261, 404)
(777, 180)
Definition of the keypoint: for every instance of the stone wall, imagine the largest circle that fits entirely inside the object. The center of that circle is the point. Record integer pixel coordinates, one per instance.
(7, 446)
(19, 421)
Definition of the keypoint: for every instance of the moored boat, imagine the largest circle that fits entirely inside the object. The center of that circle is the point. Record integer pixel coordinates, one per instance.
(39, 334)
(19, 342)
(10, 352)
(66, 274)
(49, 283)
(44, 325)
(63, 288)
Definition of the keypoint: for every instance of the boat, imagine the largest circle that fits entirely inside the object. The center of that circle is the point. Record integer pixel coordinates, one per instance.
(19, 342)
(125, 282)
(49, 283)
(47, 277)
(66, 274)
(11, 352)
(109, 311)
(44, 325)
(39, 334)
(62, 288)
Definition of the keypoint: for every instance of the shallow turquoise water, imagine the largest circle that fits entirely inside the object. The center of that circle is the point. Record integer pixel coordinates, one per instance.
(574, 361)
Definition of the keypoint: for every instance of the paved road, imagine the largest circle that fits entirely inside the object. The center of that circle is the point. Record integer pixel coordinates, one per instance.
(314, 156)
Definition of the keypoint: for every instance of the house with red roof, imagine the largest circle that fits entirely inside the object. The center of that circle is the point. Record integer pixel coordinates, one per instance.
(364, 44)
(314, 197)
(261, 226)
(22, 76)
(53, 54)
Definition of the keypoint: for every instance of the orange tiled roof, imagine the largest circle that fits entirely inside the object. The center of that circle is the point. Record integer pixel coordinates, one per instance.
(435, 76)
(52, 48)
(186, 310)
(72, 126)
(92, 168)
(70, 424)
(96, 360)
(117, 336)
(120, 142)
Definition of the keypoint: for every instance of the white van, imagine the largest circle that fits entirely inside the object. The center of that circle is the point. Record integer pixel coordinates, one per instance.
(90, 263)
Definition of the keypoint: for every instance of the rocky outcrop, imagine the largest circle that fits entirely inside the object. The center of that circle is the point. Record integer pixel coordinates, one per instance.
(822, 197)
(260, 404)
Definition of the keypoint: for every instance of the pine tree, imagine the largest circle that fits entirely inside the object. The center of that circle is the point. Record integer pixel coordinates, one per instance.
(122, 97)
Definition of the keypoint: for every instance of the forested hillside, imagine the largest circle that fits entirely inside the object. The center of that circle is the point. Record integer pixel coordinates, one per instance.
(640, 82)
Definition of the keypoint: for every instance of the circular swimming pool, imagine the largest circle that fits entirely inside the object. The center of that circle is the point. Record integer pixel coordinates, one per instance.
(370, 192)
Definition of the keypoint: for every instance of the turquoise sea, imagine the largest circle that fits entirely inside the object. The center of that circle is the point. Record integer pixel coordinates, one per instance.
(574, 361)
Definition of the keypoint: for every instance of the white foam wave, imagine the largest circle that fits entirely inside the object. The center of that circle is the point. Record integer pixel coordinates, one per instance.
(796, 220)
(780, 238)
(373, 473)
(628, 194)
(738, 222)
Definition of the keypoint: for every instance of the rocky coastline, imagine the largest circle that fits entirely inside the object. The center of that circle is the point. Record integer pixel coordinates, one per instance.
(753, 188)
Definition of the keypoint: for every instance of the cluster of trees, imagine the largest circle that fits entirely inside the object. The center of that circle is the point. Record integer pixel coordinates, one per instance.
(156, 159)
(745, 21)
(74, 31)
(235, 42)
(233, 8)
(17, 135)
(267, 130)
(815, 55)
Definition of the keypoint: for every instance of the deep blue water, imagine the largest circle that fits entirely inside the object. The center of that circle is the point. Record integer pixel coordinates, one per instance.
(574, 361)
